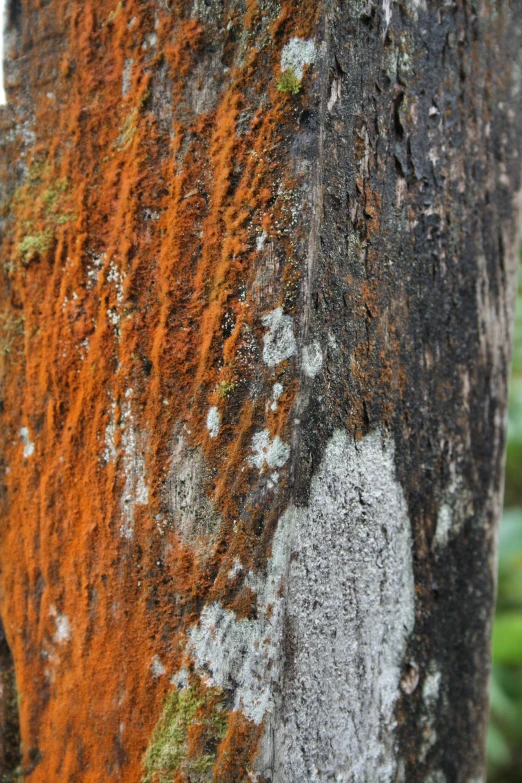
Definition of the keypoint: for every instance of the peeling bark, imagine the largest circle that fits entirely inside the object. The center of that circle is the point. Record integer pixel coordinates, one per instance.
(255, 327)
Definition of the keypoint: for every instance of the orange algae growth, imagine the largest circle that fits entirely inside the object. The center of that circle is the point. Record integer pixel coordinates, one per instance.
(154, 157)
(237, 750)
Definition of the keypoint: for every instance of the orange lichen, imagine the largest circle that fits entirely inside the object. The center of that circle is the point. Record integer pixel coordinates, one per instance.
(237, 751)
(127, 308)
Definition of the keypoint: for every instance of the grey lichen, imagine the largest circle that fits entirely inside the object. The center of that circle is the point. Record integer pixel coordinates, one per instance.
(184, 493)
(349, 609)
(279, 340)
(213, 422)
(312, 359)
(268, 452)
(296, 55)
(339, 587)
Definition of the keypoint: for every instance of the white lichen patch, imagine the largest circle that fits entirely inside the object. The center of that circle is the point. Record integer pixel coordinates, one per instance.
(268, 452)
(279, 340)
(181, 678)
(116, 277)
(455, 505)
(312, 359)
(213, 422)
(28, 444)
(387, 13)
(273, 480)
(339, 587)
(430, 696)
(156, 667)
(237, 568)
(244, 654)
(431, 687)
(350, 610)
(297, 54)
(277, 390)
(435, 777)
(62, 633)
(109, 452)
(127, 77)
(260, 241)
(135, 490)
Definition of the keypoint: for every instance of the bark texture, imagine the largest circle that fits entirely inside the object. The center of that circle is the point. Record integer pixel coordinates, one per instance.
(258, 273)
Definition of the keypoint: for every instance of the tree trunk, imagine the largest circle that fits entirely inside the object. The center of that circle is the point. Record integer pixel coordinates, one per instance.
(259, 264)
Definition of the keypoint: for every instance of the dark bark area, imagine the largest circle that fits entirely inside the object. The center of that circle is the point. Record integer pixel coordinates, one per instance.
(10, 756)
(415, 275)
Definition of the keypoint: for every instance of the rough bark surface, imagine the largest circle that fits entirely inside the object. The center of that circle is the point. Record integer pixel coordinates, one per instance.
(258, 271)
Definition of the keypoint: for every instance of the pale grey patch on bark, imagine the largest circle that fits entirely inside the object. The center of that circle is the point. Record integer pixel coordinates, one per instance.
(242, 655)
(312, 359)
(260, 241)
(135, 491)
(435, 777)
(213, 422)
(202, 86)
(185, 495)
(455, 505)
(296, 54)
(266, 451)
(279, 340)
(338, 593)
(3, 99)
(349, 609)
(430, 697)
(387, 12)
(127, 77)
(28, 444)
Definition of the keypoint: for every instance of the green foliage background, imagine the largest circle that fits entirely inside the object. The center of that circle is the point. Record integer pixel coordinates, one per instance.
(505, 729)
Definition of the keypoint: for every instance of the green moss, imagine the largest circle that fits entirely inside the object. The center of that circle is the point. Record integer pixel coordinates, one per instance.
(11, 777)
(195, 707)
(43, 205)
(288, 82)
(34, 245)
(225, 388)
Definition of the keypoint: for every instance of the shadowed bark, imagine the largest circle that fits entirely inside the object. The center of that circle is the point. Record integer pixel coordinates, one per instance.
(259, 266)
(9, 723)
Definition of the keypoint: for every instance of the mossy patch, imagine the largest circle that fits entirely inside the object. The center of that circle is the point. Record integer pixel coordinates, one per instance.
(41, 204)
(288, 82)
(186, 738)
(11, 328)
(225, 388)
(37, 244)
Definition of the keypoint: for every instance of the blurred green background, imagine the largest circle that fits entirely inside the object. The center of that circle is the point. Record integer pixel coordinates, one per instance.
(505, 728)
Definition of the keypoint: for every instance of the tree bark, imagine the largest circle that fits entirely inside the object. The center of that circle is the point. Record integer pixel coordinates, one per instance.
(259, 266)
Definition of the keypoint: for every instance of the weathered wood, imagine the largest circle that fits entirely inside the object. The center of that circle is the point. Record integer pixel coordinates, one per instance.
(259, 264)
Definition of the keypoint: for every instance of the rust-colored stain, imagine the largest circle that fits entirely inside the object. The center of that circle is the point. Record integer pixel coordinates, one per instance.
(130, 307)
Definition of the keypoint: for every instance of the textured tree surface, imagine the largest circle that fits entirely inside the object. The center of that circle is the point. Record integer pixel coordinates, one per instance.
(258, 263)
